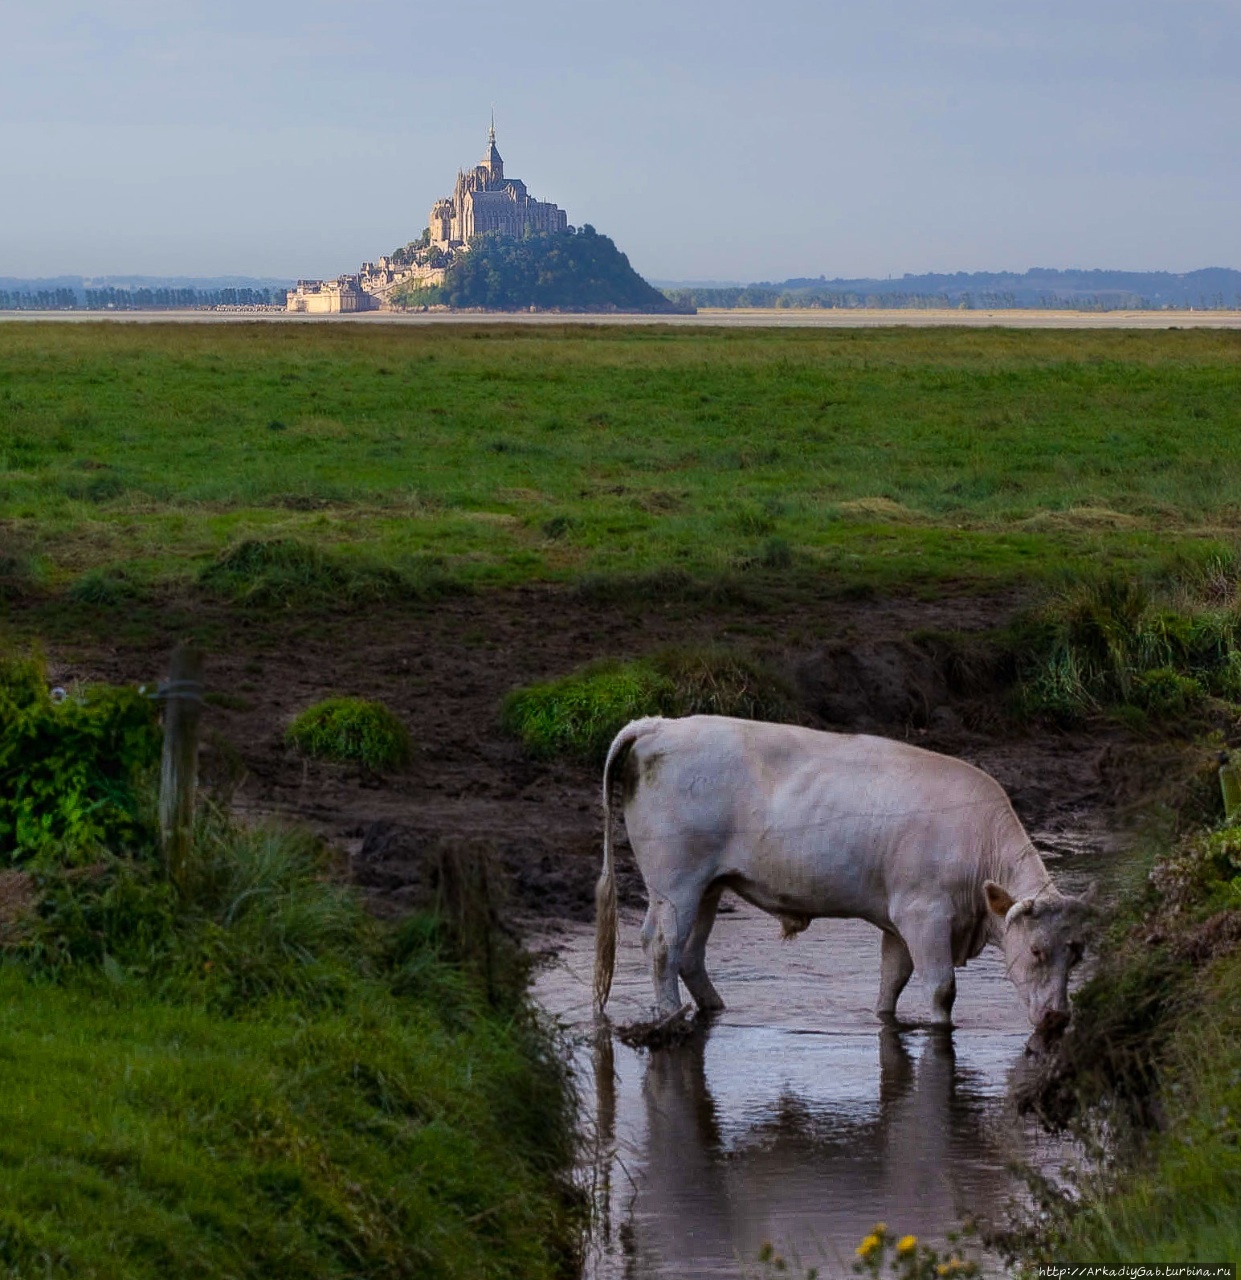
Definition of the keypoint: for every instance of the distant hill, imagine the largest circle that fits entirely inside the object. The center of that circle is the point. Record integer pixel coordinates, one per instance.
(138, 293)
(553, 271)
(1213, 288)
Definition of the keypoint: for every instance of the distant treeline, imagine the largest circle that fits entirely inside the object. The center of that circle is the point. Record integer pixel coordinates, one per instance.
(159, 299)
(554, 271)
(1214, 288)
(38, 300)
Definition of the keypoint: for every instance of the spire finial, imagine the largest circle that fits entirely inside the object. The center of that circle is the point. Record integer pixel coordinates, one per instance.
(491, 133)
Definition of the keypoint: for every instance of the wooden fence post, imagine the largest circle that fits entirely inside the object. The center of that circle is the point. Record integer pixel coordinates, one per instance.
(182, 693)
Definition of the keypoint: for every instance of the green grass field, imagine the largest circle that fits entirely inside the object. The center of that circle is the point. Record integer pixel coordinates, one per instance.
(493, 455)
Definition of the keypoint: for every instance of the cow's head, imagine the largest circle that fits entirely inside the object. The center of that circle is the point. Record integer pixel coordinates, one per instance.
(1043, 937)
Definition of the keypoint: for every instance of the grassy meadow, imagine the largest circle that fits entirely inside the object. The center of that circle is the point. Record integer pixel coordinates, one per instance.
(463, 456)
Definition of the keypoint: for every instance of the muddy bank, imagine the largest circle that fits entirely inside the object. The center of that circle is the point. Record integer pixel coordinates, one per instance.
(869, 666)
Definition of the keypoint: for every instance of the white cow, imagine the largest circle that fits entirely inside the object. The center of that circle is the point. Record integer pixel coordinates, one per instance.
(806, 824)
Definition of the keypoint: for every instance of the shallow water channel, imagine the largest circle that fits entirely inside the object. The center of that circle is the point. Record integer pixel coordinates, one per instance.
(795, 1118)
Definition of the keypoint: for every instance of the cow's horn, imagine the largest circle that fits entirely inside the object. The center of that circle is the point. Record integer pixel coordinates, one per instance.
(1024, 907)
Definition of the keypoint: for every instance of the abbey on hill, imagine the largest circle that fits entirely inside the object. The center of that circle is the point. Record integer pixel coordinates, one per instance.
(483, 202)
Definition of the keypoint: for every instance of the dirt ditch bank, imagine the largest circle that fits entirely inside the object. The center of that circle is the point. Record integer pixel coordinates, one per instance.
(870, 666)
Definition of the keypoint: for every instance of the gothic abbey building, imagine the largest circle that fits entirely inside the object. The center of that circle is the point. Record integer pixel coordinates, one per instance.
(485, 200)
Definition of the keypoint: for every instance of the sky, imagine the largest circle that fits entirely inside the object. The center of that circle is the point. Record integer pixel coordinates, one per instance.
(711, 139)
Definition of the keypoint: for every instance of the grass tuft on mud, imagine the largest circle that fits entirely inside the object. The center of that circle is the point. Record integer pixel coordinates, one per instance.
(286, 573)
(1113, 642)
(579, 714)
(352, 731)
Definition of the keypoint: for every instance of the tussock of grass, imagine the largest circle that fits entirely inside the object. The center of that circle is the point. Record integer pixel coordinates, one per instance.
(1112, 641)
(281, 571)
(290, 574)
(579, 714)
(352, 730)
(18, 576)
(107, 588)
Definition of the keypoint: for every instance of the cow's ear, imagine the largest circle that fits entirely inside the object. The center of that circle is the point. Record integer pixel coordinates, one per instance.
(998, 898)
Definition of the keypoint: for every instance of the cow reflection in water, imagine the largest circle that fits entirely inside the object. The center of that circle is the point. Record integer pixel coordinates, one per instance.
(810, 1176)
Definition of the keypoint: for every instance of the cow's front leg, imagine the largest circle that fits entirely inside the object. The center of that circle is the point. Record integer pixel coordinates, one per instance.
(895, 968)
(694, 960)
(928, 935)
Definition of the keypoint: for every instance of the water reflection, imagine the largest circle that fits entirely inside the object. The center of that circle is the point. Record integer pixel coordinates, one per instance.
(836, 1133)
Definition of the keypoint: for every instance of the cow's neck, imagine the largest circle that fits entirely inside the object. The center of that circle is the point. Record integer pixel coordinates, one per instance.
(1022, 872)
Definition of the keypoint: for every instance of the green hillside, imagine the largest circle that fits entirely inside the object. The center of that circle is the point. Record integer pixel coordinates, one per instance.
(555, 271)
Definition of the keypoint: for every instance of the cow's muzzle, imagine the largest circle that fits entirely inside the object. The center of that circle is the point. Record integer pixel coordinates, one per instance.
(1051, 1027)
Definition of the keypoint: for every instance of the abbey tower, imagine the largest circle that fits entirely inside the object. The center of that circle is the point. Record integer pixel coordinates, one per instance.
(485, 200)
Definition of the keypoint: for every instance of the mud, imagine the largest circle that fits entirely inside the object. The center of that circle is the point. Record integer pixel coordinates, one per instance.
(445, 668)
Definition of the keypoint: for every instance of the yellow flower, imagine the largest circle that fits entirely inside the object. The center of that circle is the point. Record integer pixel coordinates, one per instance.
(868, 1246)
(880, 1229)
(907, 1244)
(942, 1269)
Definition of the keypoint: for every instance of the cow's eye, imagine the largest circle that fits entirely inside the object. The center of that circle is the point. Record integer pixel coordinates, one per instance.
(1039, 954)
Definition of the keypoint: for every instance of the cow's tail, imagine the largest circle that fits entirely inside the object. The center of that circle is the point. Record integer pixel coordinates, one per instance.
(605, 889)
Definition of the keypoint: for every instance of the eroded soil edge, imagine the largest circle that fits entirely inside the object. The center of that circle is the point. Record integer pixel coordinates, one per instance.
(444, 668)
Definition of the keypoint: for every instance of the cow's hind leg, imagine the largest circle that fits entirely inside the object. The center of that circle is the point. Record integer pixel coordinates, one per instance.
(896, 966)
(665, 934)
(928, 936)
(694, 958)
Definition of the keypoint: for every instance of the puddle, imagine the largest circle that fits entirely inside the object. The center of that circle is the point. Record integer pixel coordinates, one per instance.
(796, 1118)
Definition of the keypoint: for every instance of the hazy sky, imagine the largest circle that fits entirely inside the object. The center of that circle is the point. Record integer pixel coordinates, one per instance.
(709, 138)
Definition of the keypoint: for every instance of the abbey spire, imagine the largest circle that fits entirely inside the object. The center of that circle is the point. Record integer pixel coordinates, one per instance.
(493, 162)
